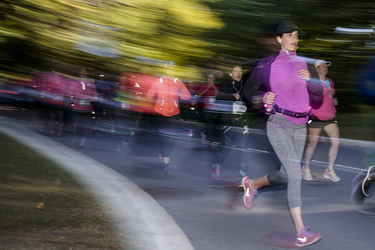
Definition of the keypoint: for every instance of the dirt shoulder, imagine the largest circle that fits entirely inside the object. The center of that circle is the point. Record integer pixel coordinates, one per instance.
(44, 207)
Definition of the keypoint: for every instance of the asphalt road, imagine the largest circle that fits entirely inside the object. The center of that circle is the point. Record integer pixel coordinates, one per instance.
(212, 214)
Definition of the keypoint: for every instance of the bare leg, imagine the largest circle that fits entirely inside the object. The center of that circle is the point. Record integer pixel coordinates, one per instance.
(313, 141)
(258, 183)
(333, 133)
(296, 213)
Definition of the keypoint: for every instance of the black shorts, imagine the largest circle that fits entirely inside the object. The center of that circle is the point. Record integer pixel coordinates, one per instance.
(314, 122)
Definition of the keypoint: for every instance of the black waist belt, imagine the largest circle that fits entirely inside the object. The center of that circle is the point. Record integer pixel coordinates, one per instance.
(277, 109)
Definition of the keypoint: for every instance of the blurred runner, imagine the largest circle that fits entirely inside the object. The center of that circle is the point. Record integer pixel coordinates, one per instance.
(283, 82)
(83, 94)
(234, 129)
(126, 119)
(323, 116)
(168, 90)
(363, 187)
(104, 108)
(189, 109)
(209, 92)
(367, 182)
(52, 90)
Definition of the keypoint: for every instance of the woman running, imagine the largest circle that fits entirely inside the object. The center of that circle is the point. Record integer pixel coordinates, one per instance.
(167, 90)
(286, 86)
(323, 117)
(209, 92)
(233, 126)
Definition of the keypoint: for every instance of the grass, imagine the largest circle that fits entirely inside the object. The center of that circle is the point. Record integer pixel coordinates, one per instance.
(43, 207)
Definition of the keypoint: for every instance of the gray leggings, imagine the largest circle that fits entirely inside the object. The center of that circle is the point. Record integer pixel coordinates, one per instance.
(288, 140)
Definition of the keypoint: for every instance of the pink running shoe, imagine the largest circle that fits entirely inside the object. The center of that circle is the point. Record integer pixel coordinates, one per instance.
(204, 138)
(169, 169)
(249, 193)
(214, 145)
(305, 238)
(306, 173)
(216, 174)
(331, 174)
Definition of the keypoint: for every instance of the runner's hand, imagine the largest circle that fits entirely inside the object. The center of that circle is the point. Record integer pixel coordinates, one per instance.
(269, 98)
(304, 74)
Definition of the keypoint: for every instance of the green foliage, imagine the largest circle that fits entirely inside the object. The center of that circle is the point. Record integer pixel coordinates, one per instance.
(161, 30)
(189, 32)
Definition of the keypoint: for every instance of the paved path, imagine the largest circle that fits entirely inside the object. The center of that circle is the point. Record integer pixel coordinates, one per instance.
(140, 221)
(211, 214)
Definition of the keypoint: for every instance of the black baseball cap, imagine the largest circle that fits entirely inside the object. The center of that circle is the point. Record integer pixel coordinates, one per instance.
(289, 27)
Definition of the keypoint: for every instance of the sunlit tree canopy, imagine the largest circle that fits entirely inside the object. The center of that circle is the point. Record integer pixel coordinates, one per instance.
(111, 34)
(140, 35)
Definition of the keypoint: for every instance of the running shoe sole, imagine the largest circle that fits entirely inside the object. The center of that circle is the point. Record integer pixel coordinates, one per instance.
(364, 180)
(329, 177)
(244, 190)
(309, 243)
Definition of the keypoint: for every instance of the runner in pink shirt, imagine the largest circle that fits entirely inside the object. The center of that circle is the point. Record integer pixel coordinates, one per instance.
(209, 92)
(286, 87)
(322, 116)
(83, 94)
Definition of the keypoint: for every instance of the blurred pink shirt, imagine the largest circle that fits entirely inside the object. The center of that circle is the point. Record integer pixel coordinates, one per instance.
(327, 110)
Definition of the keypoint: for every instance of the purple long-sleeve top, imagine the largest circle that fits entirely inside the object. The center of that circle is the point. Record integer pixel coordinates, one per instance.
(291, 92)
(280, 75)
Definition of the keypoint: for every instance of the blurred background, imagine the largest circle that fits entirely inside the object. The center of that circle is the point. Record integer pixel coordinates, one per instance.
(114, 37)
(79, 72)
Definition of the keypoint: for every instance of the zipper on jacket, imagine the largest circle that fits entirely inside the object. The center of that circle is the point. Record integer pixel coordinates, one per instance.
(175, 103)
(238, 91)
(161, 106)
